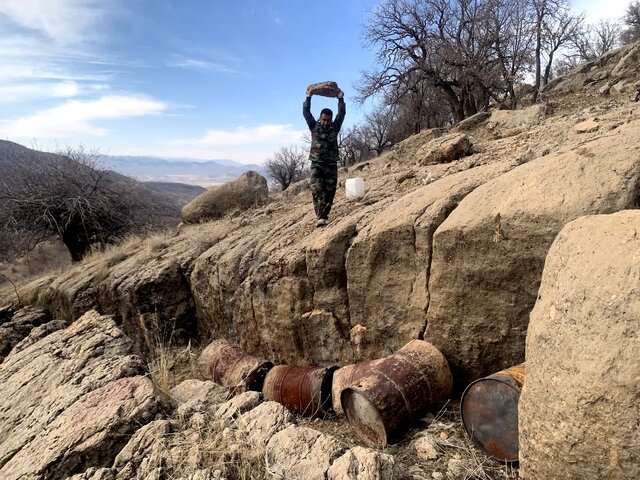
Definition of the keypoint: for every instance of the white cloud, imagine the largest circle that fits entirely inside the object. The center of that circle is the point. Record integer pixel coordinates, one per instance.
(282, 134)
(75, 117)
(201, 65)
(21, 91)
(599, 9)
(63, 21)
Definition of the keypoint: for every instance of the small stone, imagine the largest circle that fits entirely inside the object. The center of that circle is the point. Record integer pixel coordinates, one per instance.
(437, 475)
(426, 447)
(587, 126)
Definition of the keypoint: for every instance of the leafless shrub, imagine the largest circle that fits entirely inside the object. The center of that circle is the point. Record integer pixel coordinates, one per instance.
(288, 165)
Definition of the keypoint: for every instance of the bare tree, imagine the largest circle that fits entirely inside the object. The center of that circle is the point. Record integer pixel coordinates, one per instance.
(469, 51)
(631, 21)
(509, 24)
(353, 146)
(380, 129)
(287, 165)
(69, 196)
(558, 30)
(591, 42)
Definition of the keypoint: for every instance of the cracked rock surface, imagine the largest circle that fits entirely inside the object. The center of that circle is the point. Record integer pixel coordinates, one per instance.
(70, 400)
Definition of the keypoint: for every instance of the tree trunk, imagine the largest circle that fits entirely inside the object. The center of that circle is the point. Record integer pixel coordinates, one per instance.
(536, 86)
(547, 70)
(76, 241)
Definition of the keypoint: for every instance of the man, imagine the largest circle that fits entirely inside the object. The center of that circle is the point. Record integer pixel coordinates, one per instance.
(324, 155)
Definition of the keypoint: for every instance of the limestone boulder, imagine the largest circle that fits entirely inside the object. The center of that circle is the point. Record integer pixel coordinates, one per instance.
(38, 333)
(144, 282)
(301, 452)
(287, 302)
(70, 400)
(194, 396)
(615, 71)
(361, 463)
(228, 411)
(147, 453)
(578, 412)
(264, 421)
(444, 150)
(324, 89)
(247, 191)
(489, 253)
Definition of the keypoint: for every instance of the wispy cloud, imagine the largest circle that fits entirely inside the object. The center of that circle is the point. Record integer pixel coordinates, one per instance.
(63, 21)
(199, 64)
(18, 92)
(280, 134)
(77, 117)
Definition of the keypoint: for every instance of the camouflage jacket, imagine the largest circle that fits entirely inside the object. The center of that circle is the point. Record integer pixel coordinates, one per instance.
(324, 141)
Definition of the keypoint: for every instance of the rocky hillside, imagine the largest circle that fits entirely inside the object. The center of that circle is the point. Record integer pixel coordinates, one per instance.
(449, 244)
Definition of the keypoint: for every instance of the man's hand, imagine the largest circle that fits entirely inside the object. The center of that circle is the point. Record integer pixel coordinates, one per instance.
(340, 94)
(309, 93)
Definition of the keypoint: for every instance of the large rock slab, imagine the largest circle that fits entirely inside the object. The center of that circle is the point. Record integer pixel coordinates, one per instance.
(388, 262)
(579, 413)
(489, 253)
(286, 302)
(70, 400)
(247, 191)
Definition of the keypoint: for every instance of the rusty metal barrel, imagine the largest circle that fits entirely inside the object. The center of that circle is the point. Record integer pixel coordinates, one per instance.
(398, 388)
(489, 410)
(304, 390)
(345, 377)
(231, 366)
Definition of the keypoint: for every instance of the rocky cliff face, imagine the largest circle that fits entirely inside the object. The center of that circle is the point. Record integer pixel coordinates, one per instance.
(452, 252)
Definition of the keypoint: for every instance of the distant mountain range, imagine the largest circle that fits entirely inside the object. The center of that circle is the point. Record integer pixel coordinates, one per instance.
(182, 170)
(172, 195)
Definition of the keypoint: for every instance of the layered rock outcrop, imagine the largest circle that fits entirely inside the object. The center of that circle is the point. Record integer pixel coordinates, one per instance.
(70, 400)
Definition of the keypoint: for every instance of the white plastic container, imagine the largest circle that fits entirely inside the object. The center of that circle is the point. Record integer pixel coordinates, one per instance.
(355, 188)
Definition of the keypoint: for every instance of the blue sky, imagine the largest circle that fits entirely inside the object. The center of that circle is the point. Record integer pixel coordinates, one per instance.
(191, 78)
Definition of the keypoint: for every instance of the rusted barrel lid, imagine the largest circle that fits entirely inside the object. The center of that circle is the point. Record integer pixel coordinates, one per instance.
(489, 410)
(364, 417)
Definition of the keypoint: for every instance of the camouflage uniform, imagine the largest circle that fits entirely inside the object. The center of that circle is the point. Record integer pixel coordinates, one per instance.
(324, 156)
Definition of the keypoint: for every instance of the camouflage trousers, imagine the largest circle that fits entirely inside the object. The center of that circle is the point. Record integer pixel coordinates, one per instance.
(323, 181)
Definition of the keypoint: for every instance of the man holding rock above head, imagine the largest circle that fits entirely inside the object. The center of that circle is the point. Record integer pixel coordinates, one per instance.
(324, 154)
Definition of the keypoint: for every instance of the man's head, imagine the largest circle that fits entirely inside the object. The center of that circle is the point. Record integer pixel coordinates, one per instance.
(326, 116)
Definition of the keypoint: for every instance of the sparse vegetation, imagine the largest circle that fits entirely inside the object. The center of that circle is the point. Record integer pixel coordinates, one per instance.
(287, 165)
(70, 196)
